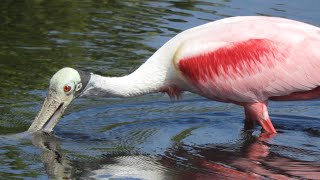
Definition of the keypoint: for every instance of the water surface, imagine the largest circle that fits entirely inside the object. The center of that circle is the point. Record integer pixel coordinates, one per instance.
(147, 137)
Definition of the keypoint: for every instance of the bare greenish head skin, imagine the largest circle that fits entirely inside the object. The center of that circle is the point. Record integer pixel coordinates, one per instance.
(65, 85)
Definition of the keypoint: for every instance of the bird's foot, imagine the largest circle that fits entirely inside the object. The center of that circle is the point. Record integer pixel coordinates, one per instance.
(264, 136)
(267, 126)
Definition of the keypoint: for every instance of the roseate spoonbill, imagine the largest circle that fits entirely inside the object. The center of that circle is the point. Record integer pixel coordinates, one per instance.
(242, 60)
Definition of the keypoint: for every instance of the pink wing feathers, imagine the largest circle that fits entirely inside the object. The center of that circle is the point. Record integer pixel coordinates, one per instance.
(249, 71)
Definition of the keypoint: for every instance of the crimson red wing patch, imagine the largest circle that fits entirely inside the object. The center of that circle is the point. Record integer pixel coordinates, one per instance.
(234, 60)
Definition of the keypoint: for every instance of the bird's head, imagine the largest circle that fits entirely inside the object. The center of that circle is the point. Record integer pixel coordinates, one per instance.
(65, 86)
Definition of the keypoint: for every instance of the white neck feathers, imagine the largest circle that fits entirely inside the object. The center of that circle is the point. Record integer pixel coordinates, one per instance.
(126, 86)
(156, 74)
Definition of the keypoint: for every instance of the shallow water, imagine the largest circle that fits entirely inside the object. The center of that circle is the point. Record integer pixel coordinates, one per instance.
(139, 138)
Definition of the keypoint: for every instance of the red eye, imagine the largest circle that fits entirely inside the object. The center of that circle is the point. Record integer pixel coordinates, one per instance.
(66, 88)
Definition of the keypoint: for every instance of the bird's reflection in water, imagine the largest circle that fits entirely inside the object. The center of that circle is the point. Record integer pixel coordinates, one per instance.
(118, 165)
(55, 164)
(250, 158)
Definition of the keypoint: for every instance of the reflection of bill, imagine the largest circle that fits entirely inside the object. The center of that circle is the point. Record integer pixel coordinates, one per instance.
(56, 166)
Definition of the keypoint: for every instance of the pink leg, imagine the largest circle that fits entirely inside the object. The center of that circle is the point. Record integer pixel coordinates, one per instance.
(259, 112)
